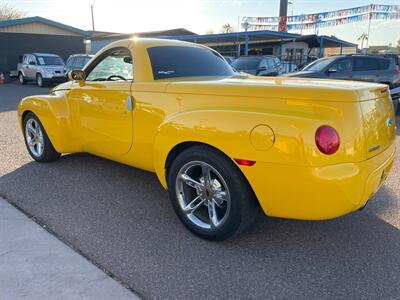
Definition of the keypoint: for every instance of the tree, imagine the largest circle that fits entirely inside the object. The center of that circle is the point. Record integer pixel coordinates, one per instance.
(226, 28)
(8, 12)
(363, 38)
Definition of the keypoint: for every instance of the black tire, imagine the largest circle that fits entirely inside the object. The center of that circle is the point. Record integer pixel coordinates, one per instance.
(244, 207)
(39, 80)
(21, 78)
(49, 153)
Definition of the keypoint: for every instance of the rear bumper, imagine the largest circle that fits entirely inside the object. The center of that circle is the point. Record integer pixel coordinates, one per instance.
(316, 193)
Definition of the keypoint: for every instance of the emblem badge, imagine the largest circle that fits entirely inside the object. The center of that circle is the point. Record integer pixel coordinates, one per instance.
(389, 122)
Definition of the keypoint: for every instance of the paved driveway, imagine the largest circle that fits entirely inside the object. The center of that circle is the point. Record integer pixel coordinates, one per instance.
(120, 218)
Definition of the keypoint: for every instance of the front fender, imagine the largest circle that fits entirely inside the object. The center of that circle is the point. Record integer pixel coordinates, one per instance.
(54, 114)
(227, 130)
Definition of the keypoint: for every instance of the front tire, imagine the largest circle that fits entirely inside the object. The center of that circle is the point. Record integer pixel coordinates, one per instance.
(210, 195)
(37, 142)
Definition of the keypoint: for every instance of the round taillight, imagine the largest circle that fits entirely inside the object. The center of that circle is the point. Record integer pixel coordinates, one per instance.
(327, 139)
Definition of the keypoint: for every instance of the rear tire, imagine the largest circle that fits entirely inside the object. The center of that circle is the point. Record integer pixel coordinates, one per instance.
(225, 205)
(37, 142)
(21, 78)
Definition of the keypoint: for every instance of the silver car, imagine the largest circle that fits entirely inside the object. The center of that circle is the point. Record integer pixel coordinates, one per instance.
(77, 61)
(44, 68)
(356, 67)
(266, 65)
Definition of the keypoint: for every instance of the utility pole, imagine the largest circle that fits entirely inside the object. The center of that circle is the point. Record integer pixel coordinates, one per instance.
(91, 9)
(369, 26)
(283, 8)
(291, 3)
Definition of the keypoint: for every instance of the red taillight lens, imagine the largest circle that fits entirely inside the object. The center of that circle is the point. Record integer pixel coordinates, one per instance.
(327, 139)
(245, 162)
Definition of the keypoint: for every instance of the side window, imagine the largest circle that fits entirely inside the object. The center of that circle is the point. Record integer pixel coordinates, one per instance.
(32, 60)
(70, 62)
(343, 65)
(384, 64)
(270, 63)
(117, 64)
(79, 62)
(370, 64)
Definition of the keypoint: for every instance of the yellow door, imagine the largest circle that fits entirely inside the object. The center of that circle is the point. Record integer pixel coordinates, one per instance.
(103, 104)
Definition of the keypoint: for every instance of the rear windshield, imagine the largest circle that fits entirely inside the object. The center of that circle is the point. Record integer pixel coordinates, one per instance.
(247, 63)
(49, 60)
(181, 61)
(319, 65)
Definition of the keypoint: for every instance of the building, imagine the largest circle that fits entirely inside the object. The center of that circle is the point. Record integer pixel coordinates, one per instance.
(36, 34)
(294, 50)
(99, 41)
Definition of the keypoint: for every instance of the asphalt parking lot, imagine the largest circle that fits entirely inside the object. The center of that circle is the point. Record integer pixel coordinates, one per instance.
(120, 218)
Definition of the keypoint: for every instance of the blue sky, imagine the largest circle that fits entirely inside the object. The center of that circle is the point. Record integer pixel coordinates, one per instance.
(198, 15)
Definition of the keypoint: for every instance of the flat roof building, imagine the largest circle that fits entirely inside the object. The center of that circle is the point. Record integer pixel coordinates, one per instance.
(36, 34)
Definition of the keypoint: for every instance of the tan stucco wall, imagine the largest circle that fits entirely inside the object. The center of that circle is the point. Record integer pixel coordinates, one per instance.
(37, 27)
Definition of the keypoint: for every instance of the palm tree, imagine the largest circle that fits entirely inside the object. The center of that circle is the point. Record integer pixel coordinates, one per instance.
(226, 28)
(363, 37)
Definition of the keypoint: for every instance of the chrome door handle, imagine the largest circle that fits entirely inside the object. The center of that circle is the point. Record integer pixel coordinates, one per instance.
(129, 103)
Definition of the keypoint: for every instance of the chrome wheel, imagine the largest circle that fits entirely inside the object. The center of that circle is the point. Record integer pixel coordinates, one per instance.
(34, 137)
(203, 195)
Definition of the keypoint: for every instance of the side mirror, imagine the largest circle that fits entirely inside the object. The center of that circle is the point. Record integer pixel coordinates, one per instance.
(77, 75)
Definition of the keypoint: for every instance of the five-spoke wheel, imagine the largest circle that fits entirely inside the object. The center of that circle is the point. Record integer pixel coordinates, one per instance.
(36, 140)
(209, 193)
(34, 137)
(203, 194)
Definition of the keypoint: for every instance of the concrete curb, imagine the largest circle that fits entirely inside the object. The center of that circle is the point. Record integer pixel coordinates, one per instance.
(36, 265)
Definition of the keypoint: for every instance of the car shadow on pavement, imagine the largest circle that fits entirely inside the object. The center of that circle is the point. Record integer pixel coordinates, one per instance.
(120, 218)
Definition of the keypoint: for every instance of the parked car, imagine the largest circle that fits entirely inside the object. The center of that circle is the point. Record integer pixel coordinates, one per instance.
(266, 65)
(368, 68)
(77, 61)
(223, 144)
(353, 67)
(44, 68)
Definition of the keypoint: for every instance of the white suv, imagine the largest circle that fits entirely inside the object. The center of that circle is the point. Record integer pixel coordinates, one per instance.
(44, 68)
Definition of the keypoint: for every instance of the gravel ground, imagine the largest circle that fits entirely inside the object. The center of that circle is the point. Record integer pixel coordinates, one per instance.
(120, 218)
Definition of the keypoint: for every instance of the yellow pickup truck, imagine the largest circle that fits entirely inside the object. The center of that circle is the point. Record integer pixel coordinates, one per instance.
(223, 143)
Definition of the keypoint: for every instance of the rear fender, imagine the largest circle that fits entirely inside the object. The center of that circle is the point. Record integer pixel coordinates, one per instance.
(225, 130)
(292, 141)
